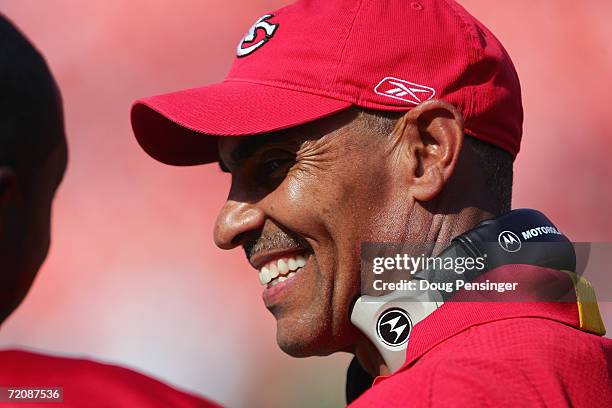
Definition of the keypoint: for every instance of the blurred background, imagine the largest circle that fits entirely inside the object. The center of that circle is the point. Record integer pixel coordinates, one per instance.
(133, 276)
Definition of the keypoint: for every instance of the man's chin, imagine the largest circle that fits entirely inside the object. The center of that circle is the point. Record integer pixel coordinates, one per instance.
(306, 341)
(300, 349)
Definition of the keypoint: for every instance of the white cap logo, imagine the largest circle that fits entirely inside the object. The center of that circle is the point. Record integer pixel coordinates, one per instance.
(404, 91)
(268, 28)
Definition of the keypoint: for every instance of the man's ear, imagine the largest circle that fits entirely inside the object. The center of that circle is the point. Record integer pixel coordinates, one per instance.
(8, 184)
(433, 135)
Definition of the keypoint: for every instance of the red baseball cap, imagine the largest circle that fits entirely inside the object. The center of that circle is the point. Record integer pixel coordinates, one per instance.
(314, 58)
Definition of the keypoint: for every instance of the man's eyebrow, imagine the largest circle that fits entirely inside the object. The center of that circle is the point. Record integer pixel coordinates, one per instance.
(246, 149)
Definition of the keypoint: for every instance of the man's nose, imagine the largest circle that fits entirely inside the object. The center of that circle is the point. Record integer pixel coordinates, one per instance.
(233, 222)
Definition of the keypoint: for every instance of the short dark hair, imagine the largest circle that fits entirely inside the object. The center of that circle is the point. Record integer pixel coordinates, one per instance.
(496, 163)
(30, 107)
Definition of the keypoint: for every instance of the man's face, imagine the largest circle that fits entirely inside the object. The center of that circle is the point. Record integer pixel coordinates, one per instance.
(302, 201)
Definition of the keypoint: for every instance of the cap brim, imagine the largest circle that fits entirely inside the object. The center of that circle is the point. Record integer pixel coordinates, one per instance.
(180, 128)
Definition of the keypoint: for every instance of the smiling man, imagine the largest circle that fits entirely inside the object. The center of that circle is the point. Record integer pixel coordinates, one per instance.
(344, 122)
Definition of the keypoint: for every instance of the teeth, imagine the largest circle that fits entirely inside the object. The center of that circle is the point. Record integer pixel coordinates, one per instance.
(282, 267)
(300, 261)
(273, 271)
(280, 270)
(264, 276)
(280, 279)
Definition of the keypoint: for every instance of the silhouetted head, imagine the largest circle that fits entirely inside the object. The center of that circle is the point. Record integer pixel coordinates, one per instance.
(33, 158)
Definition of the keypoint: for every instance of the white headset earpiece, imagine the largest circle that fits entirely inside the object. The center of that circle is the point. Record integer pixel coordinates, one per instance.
(388, 320)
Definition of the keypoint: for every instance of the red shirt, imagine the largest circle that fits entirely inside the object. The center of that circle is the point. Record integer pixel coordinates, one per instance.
(88, 384)
(498, 354)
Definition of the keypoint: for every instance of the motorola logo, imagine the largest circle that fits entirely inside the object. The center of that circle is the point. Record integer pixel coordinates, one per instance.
(393, 327)
(509, 241)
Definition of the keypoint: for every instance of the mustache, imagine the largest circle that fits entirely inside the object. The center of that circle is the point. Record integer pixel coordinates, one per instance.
(278, 240)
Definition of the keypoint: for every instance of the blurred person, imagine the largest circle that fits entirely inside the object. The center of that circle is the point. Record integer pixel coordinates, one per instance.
(33, 158)
(347, 122)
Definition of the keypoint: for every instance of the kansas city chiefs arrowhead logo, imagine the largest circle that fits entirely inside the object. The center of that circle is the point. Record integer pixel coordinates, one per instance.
(404, 91)
(259, 34)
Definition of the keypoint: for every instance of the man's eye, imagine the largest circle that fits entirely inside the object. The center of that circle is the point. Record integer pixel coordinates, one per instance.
(274, 168)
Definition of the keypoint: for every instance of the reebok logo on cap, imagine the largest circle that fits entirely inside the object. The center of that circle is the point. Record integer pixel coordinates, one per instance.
(404, 90)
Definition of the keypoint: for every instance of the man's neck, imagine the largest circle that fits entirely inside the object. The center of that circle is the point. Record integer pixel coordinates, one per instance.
(437, 229)
(445, 227)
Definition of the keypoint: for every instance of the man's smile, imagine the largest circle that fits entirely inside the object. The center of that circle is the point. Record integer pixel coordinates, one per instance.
(277, 270)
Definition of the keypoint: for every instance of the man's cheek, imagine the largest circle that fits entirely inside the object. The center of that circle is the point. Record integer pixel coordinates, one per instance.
(306, 202)
(299, 187)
